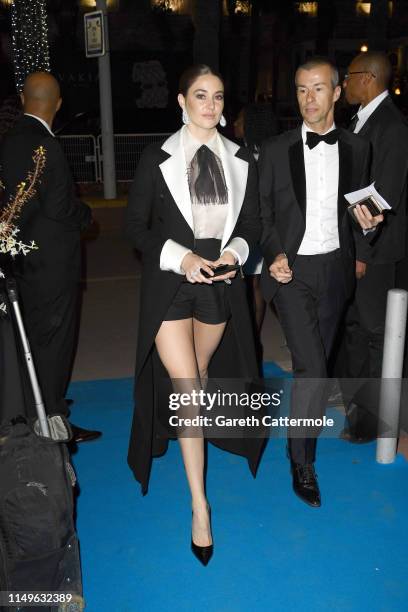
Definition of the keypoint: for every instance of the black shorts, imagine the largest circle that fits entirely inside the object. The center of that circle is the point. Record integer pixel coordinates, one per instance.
(206, 303)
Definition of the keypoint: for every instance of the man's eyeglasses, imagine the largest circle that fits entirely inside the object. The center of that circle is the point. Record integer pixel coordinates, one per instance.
(348, 74)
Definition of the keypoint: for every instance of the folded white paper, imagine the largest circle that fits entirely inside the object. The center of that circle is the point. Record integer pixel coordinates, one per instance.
(358, 197)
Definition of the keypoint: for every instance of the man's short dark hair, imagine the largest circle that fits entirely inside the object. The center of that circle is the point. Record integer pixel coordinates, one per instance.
(318, 60)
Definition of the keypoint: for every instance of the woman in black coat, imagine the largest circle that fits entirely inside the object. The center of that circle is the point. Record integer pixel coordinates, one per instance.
(193, 206)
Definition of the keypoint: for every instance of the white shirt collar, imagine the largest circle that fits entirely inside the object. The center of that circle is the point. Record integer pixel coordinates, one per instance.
(45, 124)
(365, 112)
(191, 144)
(306, 129)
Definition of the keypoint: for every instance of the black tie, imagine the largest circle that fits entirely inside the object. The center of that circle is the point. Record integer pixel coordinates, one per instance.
(353, 123)
(313, 138)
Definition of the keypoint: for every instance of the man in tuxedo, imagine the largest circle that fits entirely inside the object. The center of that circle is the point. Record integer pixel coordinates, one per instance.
(379, 122)
(308, 246)
(47, 278)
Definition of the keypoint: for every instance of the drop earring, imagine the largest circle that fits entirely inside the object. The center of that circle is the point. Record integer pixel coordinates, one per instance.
(184, 116)
(223, 121)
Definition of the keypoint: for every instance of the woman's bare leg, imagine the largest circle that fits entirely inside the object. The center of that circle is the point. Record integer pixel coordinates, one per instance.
(206, 340)
(176, 346)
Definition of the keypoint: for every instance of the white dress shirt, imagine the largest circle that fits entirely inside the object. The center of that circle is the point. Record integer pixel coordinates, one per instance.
(322, 182)
(365, 111)
(45, 124)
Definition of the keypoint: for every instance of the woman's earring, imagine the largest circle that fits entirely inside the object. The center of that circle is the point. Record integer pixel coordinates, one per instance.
(184, 116)
(223, 121)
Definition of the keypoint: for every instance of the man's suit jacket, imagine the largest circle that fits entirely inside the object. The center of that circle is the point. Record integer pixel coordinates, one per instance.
(387, 131)
(282, 186)
(53, 218)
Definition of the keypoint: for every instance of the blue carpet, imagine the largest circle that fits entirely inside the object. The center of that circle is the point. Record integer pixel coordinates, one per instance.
(272, 552)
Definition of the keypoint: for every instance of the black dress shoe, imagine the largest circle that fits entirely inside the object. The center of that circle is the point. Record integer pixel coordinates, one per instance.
(83, 435)
(357, 438)
(202, 553)
(361, 424)
(305, 483)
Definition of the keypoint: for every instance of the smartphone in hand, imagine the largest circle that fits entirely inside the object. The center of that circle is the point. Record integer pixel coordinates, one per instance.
(220, 270)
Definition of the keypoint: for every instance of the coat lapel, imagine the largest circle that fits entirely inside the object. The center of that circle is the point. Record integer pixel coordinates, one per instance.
(174, 171)
(374, 118)
(235, 169)
(345, 176)
(236, 173)
(297, 170)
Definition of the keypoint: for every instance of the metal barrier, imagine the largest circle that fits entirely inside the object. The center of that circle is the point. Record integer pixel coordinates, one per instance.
(84, 153)
(128, 149)
(82, 157)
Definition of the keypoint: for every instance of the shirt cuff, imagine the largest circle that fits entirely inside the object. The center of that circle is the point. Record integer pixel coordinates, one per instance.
(171, 256)
(239, 248)
(368, 231)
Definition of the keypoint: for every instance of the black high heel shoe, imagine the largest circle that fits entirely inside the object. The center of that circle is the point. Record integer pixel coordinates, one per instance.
(202, 553)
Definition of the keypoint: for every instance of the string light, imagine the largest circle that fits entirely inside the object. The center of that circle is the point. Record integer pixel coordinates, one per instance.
(242, 7)
(29, 39)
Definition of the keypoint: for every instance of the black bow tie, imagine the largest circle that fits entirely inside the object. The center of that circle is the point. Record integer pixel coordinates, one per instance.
(313, 139)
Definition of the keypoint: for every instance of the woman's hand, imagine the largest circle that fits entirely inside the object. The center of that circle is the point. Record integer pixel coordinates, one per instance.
(191, 266)
(229, 259)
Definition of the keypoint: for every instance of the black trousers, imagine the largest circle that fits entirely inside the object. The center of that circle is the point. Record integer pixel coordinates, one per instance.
(401, 282)
(360, 356)
(11, 385)
(310, 308)
(51, 328)
(365, 321)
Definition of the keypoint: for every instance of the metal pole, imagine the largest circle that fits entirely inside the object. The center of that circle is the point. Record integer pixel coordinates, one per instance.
(39, 404)
(393, 359)
(105, 94)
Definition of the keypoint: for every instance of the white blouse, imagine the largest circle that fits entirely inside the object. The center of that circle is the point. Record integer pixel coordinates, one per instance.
(209, 219)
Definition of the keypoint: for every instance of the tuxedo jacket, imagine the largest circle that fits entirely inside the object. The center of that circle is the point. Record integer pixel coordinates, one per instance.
(387, 131)
(159, 224)
(282, 186)
(53, 218)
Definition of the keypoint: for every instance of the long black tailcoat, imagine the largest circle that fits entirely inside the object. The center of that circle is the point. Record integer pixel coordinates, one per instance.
(159, 209)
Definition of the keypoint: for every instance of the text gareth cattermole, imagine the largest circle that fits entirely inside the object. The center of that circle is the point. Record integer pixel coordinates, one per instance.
(255, 401)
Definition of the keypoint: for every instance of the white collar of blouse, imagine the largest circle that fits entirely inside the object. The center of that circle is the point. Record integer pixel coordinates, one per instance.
(191, 144)
(174, 141)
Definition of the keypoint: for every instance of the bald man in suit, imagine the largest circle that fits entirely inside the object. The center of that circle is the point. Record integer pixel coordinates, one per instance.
(48, 278)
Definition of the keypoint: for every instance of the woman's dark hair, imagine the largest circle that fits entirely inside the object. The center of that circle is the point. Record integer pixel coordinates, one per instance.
(192, 73)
